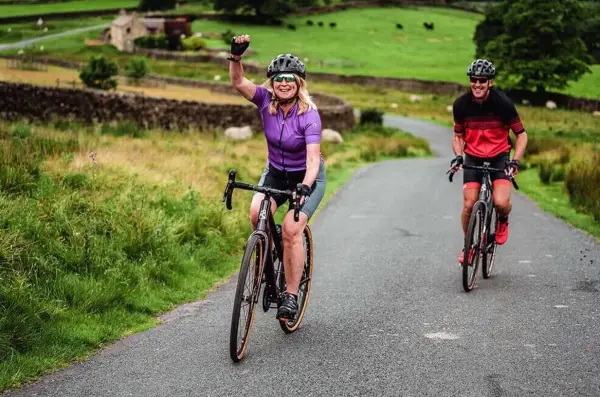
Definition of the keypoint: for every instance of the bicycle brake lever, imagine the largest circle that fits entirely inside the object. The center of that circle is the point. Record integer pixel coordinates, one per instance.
(229, 190)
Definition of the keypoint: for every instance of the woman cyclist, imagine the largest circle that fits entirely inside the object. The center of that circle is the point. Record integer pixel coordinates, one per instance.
(292, 128)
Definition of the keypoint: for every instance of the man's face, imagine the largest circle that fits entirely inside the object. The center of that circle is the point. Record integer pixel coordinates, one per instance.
(480, 86)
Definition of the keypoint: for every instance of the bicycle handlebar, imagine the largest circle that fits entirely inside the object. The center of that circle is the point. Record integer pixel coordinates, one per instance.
(232, 184)
(454, 170)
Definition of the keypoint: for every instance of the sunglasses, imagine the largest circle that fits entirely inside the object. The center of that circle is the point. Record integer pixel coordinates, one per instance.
(481, 80)
(290, 78)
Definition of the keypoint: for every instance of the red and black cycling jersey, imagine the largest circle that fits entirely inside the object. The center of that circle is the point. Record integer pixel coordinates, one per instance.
(486, 125)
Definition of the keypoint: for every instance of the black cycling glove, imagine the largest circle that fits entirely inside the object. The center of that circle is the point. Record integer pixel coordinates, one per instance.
(457, 161)
(238, 49)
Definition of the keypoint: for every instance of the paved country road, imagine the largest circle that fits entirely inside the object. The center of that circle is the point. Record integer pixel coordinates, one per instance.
(387, 316)
(25, 43)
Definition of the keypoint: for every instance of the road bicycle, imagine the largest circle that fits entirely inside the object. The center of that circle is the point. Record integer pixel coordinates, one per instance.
(480, 240)
(262, 265)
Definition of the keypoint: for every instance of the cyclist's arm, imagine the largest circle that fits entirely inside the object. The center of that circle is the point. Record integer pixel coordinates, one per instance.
(512, 119)
(239, 82)
(313, 162)
(520, 145)
(312, 135)
(458, 140)
(458, 143)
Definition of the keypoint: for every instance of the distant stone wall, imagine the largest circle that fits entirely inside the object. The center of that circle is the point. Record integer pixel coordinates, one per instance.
(406, 85)
(45, 103)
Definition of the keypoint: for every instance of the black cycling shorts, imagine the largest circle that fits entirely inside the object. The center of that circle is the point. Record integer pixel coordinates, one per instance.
(280, 180)
(476, 176)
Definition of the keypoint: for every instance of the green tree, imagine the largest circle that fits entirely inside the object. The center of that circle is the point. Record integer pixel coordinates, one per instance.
(99, 73)
(137, 69)
(591, 29)
(155, 5)
(534, 43)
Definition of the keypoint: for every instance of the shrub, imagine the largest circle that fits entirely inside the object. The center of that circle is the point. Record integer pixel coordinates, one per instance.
(137, 69)
(582, 182)
(99, 73)
(122, 128)
(545, 171)
(160, 41)
(558, 173)
(371, 116)
(193, 43)
(228, 35)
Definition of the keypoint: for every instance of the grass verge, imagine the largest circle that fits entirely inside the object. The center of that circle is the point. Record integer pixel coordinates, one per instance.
(554, 199)
(104, 227)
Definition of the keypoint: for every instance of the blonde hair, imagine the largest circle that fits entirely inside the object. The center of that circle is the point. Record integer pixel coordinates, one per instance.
(305, 102)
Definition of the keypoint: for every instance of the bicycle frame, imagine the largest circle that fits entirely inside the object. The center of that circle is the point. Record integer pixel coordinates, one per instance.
(485, 192)
(265, 227)
(265, 218)
(486, 198)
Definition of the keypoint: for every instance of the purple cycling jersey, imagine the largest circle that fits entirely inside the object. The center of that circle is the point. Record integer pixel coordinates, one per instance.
(287, 138)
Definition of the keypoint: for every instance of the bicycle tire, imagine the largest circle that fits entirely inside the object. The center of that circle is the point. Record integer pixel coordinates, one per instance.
(256, 244)
(489, 253)
(305, 284)
(474, 229)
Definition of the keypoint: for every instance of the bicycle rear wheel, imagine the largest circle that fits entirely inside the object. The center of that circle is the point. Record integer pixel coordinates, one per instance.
(472, 250)
(246, 295)
(305, 284)
(489, 252)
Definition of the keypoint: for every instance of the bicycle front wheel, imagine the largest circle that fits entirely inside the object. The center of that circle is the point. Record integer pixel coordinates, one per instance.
(472, 250)
(246, 294)
(305, 284)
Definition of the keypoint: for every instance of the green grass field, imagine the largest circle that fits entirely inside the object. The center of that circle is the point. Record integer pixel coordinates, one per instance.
(79, 5)
(367, 42)
(10, 33)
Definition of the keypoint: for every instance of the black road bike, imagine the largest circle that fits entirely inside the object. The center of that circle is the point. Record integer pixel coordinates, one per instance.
(480, 240)
(262, 264)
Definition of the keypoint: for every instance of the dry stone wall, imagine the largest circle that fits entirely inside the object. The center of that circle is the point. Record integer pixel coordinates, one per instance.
(45, 103)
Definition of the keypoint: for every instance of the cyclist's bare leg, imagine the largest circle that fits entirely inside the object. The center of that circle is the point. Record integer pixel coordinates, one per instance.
(255, 208)
(293, 250)
(470, 196)
(502, 189)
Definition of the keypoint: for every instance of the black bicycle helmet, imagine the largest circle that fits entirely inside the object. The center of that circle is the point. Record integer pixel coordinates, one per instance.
(286, 63)
(481, 68)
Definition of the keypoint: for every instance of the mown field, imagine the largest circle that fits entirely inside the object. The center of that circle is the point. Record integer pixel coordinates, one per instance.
(62, 77)
(9, 10)
(14, 32)
(364, 42)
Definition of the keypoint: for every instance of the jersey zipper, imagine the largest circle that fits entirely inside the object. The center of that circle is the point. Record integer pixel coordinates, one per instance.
(280, 137)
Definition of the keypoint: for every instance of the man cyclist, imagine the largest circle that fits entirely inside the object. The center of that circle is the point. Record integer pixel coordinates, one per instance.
(482, 119)
(292, 128)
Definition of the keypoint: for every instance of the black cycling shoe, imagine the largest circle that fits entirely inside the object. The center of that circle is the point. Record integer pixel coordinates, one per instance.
(288, 308)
